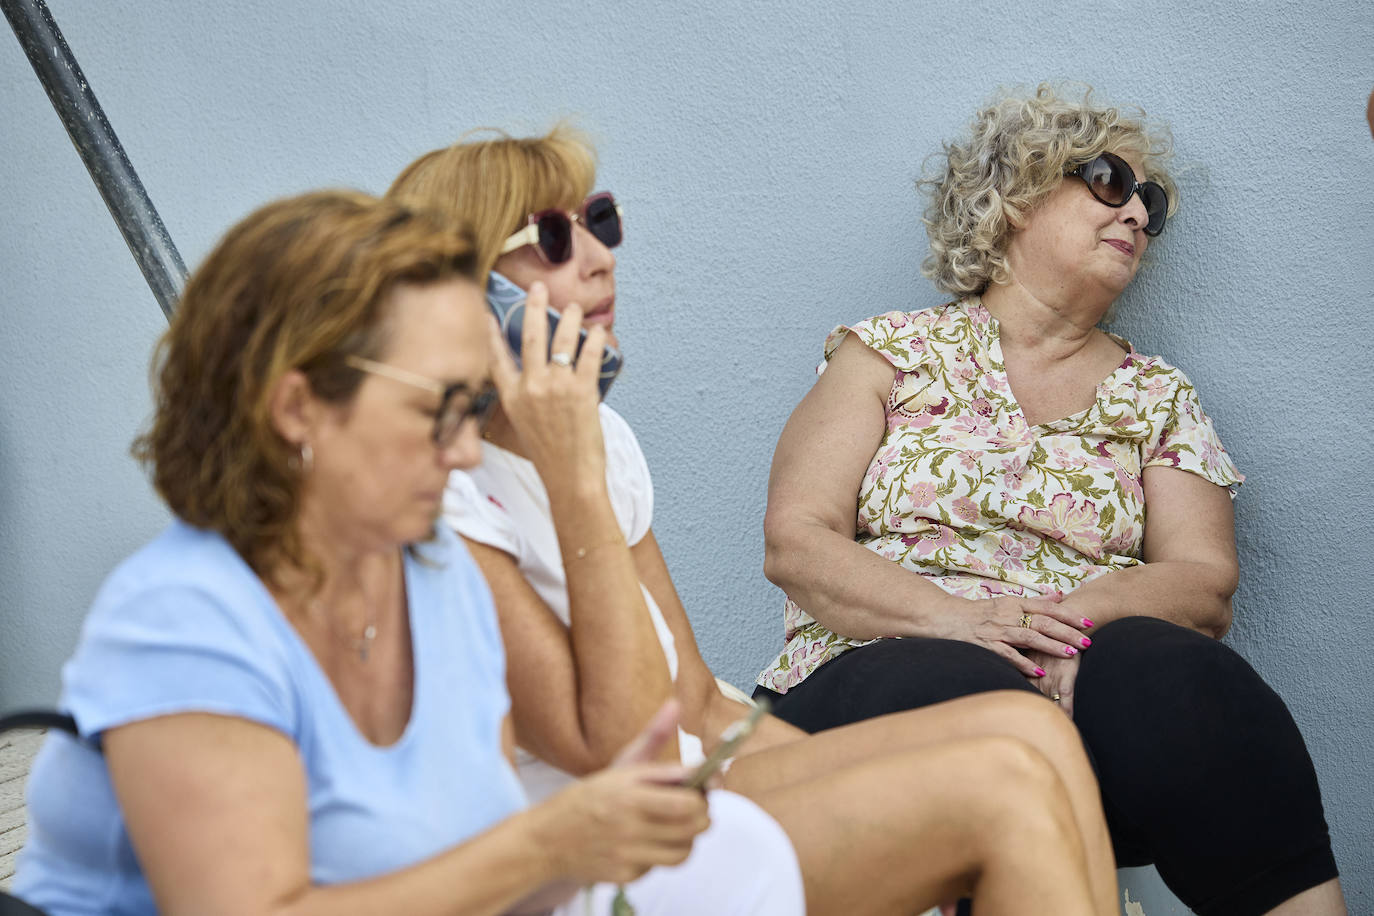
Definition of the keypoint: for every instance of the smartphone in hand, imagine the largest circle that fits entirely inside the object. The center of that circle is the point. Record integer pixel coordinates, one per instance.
(730, 741)
(507, 302)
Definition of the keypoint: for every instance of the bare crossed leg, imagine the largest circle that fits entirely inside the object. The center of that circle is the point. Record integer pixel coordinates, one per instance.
(867, 752)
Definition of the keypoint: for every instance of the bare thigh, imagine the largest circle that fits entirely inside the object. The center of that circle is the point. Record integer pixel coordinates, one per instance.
(912, 829)
(1025, 716)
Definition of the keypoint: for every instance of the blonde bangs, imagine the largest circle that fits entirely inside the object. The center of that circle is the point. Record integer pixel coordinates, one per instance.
(493, 185)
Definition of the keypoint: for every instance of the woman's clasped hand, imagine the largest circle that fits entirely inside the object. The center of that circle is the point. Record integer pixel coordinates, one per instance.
(1014, 628)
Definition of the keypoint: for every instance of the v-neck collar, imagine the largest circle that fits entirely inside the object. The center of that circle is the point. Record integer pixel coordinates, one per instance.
(987, 331)
(325, 685)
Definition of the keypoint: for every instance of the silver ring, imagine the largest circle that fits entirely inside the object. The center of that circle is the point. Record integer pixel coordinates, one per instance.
(561, 359)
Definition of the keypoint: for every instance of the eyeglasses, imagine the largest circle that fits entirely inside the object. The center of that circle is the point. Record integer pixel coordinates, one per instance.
(1113, 182)
(551, 231)
(457, 403)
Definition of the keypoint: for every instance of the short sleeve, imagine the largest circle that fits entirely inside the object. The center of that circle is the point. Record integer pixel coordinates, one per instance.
(899, 337)
(1188, 440)
(627, 473)
(478, 515)
(177, 648)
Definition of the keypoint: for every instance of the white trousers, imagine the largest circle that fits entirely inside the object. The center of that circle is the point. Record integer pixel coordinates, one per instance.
(742, 865)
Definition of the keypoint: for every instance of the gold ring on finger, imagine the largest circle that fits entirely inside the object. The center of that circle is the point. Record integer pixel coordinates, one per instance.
(561, 359)
(1055, 697)
(1025, 621)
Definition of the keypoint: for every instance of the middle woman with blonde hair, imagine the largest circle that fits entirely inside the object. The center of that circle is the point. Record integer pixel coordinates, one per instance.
(990, 796)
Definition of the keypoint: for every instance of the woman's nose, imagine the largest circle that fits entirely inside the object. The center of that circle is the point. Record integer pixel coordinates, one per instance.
(594, 256)
(1134, 213)
(464, 451)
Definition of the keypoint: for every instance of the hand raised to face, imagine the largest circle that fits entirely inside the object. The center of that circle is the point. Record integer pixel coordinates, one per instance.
(552, 401)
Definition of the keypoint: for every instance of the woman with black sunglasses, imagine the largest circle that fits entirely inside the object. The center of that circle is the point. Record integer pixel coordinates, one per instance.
(1041, 507)
(887, 816)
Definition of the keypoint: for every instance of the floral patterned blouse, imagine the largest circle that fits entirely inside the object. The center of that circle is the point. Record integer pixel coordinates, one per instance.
(962, 491)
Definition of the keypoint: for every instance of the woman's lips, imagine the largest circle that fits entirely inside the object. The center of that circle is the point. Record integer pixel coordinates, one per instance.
(1124, 247)
(603, 314)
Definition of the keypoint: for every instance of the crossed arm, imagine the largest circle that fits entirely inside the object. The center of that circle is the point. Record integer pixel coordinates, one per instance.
(1188, 577)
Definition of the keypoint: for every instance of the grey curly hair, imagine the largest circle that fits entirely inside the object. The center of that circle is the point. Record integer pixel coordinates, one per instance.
(1017, 152)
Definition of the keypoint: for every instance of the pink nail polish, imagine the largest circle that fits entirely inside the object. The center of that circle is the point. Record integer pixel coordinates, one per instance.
(1039, 672)
(1070, 650)
(1087, 622)
(1086, 642)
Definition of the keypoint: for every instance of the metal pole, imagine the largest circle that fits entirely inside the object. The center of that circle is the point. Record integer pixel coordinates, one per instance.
(100, 149)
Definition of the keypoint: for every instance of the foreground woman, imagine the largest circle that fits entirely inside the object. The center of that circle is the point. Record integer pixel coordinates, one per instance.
(293, 700)
(1038, 503)
(886, 817)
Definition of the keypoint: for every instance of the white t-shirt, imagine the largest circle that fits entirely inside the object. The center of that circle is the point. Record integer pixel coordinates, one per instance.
(502, 503)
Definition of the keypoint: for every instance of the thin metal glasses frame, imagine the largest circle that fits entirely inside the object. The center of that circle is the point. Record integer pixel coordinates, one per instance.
(447, 421)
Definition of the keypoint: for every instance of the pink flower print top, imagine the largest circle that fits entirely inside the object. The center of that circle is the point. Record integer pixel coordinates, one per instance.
(962, 491)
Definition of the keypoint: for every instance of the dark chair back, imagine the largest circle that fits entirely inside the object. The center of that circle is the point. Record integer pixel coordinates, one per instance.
(35, 718)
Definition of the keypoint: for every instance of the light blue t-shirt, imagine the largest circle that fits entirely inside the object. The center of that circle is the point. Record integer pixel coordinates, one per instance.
(184, 625)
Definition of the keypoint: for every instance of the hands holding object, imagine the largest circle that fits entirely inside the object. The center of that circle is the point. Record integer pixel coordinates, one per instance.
(615, 825)
(552, 400)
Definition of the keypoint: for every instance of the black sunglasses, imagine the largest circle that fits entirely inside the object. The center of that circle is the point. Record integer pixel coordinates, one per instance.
(1111, 181)
(551, 231)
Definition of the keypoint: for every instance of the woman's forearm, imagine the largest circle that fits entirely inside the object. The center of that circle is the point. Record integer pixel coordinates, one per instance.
(500, 871)
(848, 588)
(722, 712)
(855, 593)
(622, 673)
(1194, 595)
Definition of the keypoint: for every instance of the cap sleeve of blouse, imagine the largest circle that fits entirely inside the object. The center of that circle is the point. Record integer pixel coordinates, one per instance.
(1187, 440)
(479, 515)
(900, 337)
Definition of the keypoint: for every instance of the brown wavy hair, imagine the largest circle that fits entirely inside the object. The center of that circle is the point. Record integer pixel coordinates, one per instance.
(494, 184)
(301, 284)
(1016, 152)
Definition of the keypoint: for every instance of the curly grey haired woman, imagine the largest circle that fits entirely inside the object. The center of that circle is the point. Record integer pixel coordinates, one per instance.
(1002, 451)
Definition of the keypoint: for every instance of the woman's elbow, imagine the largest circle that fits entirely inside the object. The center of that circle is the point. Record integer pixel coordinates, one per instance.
(773, 567)
(1217, 621)
(1228, 580)
(578, 751)
(586, 757)
(780, 551)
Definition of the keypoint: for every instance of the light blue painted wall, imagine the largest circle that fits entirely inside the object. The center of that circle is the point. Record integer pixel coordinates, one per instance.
(765, 153)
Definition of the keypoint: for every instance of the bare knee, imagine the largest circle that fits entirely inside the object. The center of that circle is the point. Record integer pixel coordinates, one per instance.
(1013, 785)
(1003, 764)
(1031, 718)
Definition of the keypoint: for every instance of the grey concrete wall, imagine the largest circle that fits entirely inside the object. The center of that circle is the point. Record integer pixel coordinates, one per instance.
(765, 154)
